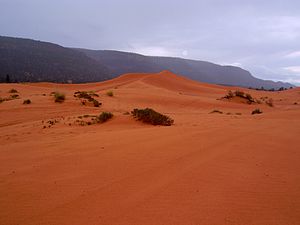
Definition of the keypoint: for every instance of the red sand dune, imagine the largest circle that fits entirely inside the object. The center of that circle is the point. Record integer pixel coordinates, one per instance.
(205, 169)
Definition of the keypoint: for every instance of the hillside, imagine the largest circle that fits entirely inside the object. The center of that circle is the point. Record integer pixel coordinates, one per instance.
(29, 60)
(123, 62)
(26, 60)
(207, 168)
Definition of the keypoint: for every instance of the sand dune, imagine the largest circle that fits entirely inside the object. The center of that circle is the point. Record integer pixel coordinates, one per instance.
(208, 168)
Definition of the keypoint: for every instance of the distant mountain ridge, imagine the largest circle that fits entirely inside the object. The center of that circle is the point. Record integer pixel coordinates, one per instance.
(125, 62)
(26, 60)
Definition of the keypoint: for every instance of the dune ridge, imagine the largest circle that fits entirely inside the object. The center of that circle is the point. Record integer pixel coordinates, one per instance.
(207, 168)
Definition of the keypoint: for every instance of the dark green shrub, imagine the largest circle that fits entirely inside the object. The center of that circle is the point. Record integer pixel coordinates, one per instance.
(59, 97)
(150, 116)
(27, 102)
(104, 116)
(256, 111)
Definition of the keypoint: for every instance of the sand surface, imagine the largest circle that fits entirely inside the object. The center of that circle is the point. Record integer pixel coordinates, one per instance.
(206, 169)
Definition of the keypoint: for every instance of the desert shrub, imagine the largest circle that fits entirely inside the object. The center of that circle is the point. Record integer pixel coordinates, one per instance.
(216, 111)
(110, 93)
(96, 103)
(27, 102)
(59, 97)
(150, 116)
(239, 114)
(87, 95)
(249, 97)
(270, 102)
(13, 91)
(14, 96)
(230, 94)
(240, 93)
(104, 116)
(256, 111)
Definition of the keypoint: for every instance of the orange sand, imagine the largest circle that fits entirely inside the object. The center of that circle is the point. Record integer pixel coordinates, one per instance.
(208, 169)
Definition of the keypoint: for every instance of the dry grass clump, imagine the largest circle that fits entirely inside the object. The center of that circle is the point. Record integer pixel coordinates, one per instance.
(150, 116)
(13, 91)
(59, 97)
(87, 96)
(240, 94)
(256, 111)
(110, 93)
(104, 116)
(216, 111)
(27, 102)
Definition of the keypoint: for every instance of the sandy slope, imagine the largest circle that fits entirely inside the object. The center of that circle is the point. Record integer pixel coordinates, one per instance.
(206, 169)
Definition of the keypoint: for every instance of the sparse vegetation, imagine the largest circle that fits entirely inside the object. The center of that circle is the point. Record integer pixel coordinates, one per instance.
(27, 102)
(241, 94)
(104, 116)
(216, 111)
(15, 96)
(96, 103)
(150, 116)
(13, 91)
(89, 96)
(256, 111)
(110, 93)
(59, 97)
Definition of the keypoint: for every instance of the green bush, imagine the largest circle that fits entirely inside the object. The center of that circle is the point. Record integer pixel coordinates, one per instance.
(59, 97)
(110, 93)
(104, 116)
(150, 116)
(256, 111)
(27, 102)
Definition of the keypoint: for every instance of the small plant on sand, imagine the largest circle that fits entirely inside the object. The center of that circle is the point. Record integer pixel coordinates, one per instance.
(85, 96)
(59, 97)
(110, 93)
(216, 111)
(104, 116)
(27, 102)
(150, 116)
(256, 111)
(15, 96)
(13, 91)
(240, 93)
(270, 102)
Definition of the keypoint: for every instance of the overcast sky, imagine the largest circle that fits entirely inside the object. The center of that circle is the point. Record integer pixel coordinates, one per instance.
(262, 36)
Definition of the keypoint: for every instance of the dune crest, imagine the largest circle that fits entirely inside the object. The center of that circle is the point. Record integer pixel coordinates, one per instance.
(218, 163)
